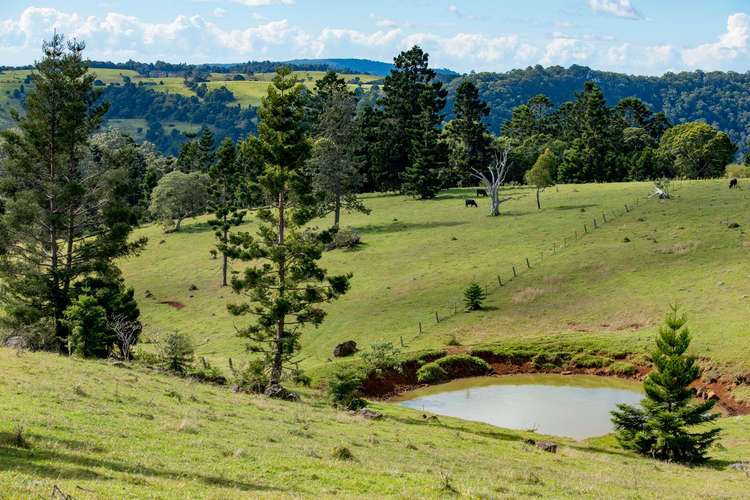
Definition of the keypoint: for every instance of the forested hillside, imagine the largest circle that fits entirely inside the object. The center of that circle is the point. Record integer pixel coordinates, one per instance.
(722, 99)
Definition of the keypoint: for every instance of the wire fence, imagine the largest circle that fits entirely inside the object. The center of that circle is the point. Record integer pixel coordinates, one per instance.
(505, 276)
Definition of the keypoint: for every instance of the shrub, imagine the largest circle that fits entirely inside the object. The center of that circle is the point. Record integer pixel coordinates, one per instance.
(452, 366)
(87, 322)
(344, 389)
(585, 360)
(342, 453)
(473, 297)
(737, 171)
(345, 238)
(622, 368)
(382, 356)
(177, 353)
(463, 365)
(549, 360)
(206, 372)
(431, 373)
(252, 377)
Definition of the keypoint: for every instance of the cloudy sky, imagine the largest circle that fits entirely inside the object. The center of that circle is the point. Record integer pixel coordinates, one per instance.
(634, 36)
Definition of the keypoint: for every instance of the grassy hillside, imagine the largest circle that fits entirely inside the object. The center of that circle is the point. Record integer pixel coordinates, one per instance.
(101, 431)
(611, 286)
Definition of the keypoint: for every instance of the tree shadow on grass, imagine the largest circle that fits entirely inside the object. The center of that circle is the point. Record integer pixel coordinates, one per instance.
(54, 464)
(498, 434)
(574, 207)
(397, 226)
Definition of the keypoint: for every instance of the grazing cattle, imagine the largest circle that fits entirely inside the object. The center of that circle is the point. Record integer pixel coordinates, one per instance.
(481, 193)
(470, 203)
(733, 184)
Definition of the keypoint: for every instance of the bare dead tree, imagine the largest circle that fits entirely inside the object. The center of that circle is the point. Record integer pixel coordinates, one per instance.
(493, 178)
(127, 333)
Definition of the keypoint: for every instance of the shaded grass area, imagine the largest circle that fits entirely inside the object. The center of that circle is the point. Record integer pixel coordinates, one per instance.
(97, 430)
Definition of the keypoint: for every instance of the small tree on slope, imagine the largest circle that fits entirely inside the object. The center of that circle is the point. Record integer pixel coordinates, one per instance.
(661, 428)
(284, 284)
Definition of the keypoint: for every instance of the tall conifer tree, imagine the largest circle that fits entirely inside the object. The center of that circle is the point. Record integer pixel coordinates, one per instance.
(284, 283)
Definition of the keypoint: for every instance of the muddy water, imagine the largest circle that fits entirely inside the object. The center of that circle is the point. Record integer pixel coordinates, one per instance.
(575, 406)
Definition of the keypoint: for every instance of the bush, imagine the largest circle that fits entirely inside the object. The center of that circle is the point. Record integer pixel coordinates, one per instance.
(431, 373)
(585, 360)
(87, 321)
(252, 377)
(623, 368)
(473, 297)
(737, 171)
(549, 360)
(344, 389)
(463, 365)
(382, 356)
(452, 366)
(206, 372)
(177, 353)
(345, 238)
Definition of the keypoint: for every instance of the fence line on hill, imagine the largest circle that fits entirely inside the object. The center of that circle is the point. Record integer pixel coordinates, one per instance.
(506, 276)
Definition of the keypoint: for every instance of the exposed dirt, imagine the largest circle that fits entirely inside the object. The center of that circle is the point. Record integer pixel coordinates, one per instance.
(173, 303)
(393, 383)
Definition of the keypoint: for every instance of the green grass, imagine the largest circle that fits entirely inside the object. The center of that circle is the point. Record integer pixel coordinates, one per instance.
(98, 431)
(418, 256)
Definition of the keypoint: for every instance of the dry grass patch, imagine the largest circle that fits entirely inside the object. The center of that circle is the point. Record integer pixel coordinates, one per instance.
(527, 295)
(628, 322)
(680, 248)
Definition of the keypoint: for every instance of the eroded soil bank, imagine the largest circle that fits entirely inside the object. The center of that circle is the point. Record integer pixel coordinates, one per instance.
(392, 382)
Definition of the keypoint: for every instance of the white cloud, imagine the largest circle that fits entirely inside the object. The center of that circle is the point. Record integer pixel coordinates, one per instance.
(193, 38)
(730, 46)
(564, 50)
(618, 8)
(219, 12)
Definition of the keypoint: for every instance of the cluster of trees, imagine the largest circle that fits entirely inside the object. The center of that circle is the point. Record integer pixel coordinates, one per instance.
(592, 142)
(67, 213)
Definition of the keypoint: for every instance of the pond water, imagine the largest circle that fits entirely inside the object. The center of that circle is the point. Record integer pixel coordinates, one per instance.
(575, 406)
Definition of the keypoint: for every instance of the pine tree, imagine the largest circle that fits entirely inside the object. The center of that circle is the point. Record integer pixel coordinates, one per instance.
(467, 134)
(429, 157)
(66, 217)
(335, 165)
(206, 149)
(473, 297)
(225, 199)
(661, 428)
(402, 110)
(284, 283)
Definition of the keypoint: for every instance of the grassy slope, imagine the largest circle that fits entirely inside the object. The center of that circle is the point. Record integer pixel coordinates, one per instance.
(598, 288)
(98, 431)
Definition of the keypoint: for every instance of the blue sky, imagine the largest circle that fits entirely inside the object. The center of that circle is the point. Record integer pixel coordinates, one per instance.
(633, 36)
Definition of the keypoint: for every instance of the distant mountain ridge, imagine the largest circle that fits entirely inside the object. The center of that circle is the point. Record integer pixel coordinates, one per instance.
(368, 66)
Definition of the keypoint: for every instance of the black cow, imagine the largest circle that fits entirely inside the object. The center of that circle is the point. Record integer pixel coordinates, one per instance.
(733, 184)
(481, 193)
(470, 203)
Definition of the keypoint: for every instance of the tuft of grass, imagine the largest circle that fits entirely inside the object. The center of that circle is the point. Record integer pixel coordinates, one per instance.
(342, 453)
(585, 360)
(622, 368)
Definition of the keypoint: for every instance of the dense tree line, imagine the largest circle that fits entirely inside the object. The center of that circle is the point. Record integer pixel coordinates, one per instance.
(721, 99)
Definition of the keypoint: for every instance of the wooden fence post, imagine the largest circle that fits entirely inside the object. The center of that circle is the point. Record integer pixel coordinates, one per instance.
(528, 264)
(514, 272)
